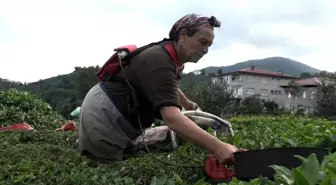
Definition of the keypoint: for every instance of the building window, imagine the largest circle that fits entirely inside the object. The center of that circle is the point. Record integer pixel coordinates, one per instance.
(236, 78)
(264, 92)
(226, 80)
(312, 95)
(304, 94)
(214, 80)
(250, 78)
(300, 107)
(264, 80)
(229, 90)
(288, 105)
(250, 91)
(240, 91)
(276, 92)
(289, 95)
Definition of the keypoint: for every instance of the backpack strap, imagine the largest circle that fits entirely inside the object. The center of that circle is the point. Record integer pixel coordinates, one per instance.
(169, 48)
(140, 49)
(172, 52)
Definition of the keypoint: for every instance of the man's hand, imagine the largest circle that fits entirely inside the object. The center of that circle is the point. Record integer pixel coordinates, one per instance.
(187, 129)
(225, 152)
(186, 103)
(190, 105)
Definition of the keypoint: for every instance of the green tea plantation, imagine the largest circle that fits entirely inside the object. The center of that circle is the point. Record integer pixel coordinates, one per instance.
(46, 157)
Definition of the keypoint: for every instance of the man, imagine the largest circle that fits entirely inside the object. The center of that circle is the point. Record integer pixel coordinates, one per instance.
(107, 127)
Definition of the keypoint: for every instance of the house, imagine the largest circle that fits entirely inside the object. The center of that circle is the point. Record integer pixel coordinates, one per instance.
(252, 80)
(307, 95)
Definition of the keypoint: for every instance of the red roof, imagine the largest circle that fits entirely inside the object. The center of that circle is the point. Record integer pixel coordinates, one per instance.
(308, 81)
(258, 71)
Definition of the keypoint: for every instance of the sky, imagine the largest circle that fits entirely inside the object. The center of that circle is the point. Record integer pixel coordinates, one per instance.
(43, 38)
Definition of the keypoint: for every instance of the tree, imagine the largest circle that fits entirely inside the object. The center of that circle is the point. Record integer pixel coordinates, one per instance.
(85, 79)
(69, 105)
(252, 105)
(203, 71)
(323, 74)
(213, 98)
(294, 90)
(326, 99)
(220, 71)
(306, 75)
(270, 105)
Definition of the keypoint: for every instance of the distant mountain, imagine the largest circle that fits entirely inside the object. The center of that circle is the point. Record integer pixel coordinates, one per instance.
(285, 65)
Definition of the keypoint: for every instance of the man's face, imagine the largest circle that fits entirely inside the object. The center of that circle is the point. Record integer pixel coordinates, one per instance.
(196, 46)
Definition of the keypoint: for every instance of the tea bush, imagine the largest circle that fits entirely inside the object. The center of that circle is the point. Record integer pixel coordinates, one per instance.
(17, 106)
(48, 157)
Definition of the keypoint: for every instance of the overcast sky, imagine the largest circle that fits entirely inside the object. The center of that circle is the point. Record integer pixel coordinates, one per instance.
(44, 38)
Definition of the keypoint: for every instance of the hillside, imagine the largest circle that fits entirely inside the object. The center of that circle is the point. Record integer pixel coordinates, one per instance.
(285, 65)
(63, 92)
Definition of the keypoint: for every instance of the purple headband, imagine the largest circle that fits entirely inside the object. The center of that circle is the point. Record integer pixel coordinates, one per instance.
(192, 21)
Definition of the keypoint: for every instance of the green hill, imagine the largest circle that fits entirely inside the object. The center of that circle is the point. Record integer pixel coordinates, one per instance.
(63, 92)
(285, 65)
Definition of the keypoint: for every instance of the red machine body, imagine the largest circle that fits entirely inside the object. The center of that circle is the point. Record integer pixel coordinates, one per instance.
(220, 172)
(216, 171)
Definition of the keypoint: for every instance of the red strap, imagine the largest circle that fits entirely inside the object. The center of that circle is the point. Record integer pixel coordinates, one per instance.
(172, 52)
(128, 48)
